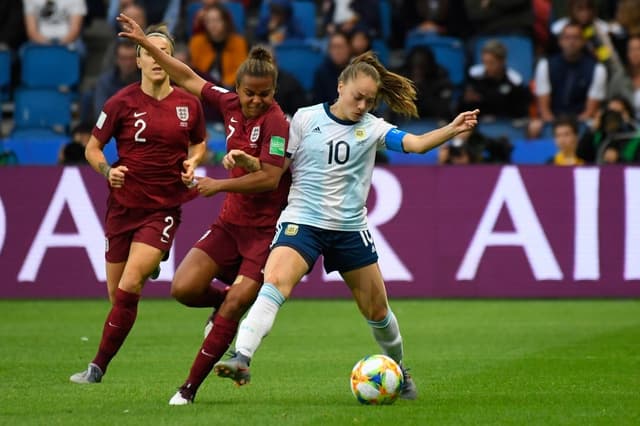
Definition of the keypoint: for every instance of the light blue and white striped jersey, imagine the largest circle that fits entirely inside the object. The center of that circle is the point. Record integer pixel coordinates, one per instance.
(332, 165)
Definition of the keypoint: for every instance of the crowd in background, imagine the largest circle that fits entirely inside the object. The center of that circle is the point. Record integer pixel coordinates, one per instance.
(585, 86)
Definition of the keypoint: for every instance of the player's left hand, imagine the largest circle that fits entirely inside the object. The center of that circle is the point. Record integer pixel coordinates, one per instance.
(130, 29)
(465, 121)
(206, 186)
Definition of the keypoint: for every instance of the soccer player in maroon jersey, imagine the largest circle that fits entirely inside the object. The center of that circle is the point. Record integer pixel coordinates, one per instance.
(159, 132)
(236, 246)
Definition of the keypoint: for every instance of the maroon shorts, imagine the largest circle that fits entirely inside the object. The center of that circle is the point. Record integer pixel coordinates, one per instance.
(124, 225)
(238, 250)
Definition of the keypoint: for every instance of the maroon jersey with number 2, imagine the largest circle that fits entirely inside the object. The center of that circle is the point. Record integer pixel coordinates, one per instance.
(153, 138)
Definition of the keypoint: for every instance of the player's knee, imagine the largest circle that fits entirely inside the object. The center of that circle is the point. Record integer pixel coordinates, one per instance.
(377, 312)
(180, 291)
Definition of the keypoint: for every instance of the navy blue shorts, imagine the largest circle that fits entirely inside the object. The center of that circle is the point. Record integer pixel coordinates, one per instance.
(343, 251)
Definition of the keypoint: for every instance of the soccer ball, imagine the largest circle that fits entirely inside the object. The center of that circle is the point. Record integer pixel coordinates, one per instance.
(376, 379)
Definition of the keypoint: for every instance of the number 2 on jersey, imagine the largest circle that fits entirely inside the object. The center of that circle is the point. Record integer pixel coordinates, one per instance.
(143, 125)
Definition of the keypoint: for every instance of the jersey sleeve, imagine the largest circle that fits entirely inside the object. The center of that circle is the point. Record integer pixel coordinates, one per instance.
(295, 134)
(276, 134)
(198, 132)
(108, 120)
(213, 95)
(380, 130)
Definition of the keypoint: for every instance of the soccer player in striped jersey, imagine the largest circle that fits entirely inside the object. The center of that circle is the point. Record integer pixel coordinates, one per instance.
(332, 151)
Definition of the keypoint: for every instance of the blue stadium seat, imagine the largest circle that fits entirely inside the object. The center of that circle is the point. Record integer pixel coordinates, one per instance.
(45, 109)
(385, 20)
(301, 58)
(237, 13)
(5, 74)
(304, 12)
(381, 49)
(449, 52)
(191, 11)
(502, 127)
(35, 147)
(519, 53)
(533, 151)
(50, 66)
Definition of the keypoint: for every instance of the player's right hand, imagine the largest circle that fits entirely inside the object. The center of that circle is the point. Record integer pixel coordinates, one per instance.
(116, 176)
(130, 29)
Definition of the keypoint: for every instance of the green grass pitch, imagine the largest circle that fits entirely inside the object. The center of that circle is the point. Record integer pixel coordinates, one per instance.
(475, 362)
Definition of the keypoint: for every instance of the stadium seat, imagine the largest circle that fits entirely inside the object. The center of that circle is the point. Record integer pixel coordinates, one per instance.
(44, 109)
(237, 13)
(304, 13)
(5, 74)
(519, 53)
(35, 147)
(50, 67)
(449, 52)
(502, 127)
(385, 20)
(191, 11)
(533, 151)
(381, 49)
(300, 58)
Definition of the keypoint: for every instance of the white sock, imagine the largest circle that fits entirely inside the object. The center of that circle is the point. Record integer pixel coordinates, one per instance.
(387, 334)
(259, 320)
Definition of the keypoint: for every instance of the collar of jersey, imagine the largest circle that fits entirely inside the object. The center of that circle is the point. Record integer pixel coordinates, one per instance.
(336, 119)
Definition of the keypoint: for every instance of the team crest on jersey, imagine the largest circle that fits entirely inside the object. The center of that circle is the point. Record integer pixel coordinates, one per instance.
(360, 133)
(255, 134)
(291, 230)
(182, 112)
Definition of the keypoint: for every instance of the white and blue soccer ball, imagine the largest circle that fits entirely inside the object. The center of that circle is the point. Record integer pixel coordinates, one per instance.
(376, 380)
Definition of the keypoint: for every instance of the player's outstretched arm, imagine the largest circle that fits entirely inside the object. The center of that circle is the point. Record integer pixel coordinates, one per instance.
(177, 70)
(464, 122)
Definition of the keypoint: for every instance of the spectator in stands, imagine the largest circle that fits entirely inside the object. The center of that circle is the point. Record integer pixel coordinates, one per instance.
(605, 141)
(476, 148)
(565, 136)
(433, 86)
(12, 34)
(596, 32)
(55, 22)
(360, 41)
(12, 28)
(124, 72)
(500, 16)
(344, 15)
(157, 11)
(571, 82)
(278, 24)
(325, 77)
(426, 15)
(136, 13)
(72, 153)
(626, 81)
(198, 19)
(219, 50)
(494, 88)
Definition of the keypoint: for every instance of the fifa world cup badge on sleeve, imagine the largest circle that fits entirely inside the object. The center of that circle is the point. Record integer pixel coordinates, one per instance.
(276, 147)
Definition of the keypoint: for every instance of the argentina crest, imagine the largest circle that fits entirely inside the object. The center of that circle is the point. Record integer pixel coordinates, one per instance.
(182, 112)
